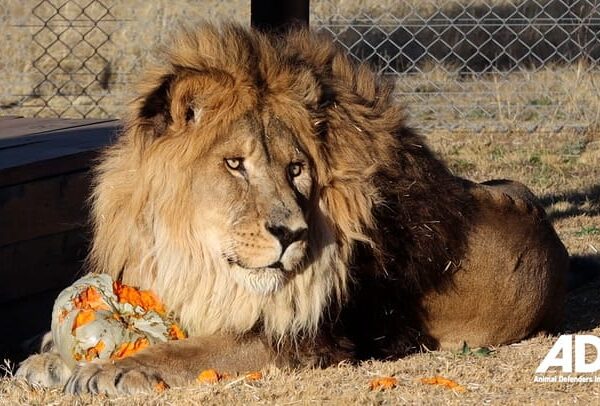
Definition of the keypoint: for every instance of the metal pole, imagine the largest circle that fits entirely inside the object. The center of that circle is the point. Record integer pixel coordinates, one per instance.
(279, 15)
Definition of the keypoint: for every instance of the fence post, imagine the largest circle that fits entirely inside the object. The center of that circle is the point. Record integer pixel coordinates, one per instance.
(278, 15)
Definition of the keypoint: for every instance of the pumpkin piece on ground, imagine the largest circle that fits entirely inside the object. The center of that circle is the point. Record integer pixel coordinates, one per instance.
(254, 376)
(444, 382)
(208, 376)
(160, 386)
(382, 383)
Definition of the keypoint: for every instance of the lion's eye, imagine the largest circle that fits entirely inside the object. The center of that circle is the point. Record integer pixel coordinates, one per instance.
(295, 169)
(235, 163)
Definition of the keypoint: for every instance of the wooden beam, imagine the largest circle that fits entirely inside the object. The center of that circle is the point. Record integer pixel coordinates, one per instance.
(44, 192)
(278, 15)
(46, 263)
(31, 150)
(24, 319)
(43, 207)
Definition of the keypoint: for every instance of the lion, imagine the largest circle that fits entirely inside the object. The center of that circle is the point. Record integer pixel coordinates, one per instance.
(269, 190)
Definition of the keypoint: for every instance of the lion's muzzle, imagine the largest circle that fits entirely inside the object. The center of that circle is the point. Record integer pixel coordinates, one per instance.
(287, 237)
(293, 245)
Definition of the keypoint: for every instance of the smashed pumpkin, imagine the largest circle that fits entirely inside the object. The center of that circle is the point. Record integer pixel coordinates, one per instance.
(99, 318)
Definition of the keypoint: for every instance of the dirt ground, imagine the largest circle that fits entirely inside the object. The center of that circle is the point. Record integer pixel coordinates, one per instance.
(564, 170)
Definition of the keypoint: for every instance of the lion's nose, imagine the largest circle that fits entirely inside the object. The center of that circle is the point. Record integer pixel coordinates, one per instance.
(287, 236)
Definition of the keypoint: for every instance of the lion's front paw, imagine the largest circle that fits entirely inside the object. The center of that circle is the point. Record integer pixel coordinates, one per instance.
(46, 370)
(122, 377)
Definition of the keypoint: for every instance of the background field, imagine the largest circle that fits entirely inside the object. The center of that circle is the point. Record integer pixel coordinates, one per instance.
(563, 169)
(477, 65)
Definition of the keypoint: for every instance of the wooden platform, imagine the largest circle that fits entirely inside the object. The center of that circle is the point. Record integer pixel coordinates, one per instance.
(44, 187)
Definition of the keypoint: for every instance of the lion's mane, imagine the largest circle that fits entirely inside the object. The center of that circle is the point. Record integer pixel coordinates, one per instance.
(391, 218)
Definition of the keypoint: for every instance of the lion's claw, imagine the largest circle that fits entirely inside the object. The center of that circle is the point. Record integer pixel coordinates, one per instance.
(114, 378)
(45, 370)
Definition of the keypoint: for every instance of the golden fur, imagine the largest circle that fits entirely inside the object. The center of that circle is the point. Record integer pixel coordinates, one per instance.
(162, 245)
(269, 191)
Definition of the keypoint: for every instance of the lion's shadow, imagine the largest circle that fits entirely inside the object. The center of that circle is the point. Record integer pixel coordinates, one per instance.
(582, 311)
(579, 202)
(582, 308)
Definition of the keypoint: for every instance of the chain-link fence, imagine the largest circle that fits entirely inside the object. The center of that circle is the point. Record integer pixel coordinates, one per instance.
(73, 62)
(57, 61)
(498, 64)
(81, 58)
(502, 64)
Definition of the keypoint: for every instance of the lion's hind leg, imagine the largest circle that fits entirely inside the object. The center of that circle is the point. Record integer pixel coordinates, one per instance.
(46, 369)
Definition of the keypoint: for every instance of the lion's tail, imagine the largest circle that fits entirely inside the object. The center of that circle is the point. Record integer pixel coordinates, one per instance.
(583, 270)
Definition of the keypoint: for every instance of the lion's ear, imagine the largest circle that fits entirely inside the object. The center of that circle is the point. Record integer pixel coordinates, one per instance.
(187, 97)
(154, 112)
(173, 102)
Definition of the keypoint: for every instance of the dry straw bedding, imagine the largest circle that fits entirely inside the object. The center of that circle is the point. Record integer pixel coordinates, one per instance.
(561, 168)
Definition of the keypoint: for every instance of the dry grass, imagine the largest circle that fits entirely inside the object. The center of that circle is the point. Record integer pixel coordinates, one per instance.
(541, 100)
(561, 168)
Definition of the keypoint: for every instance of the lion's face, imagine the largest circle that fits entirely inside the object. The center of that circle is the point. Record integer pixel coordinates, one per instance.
(243, 177)
(252, 189)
